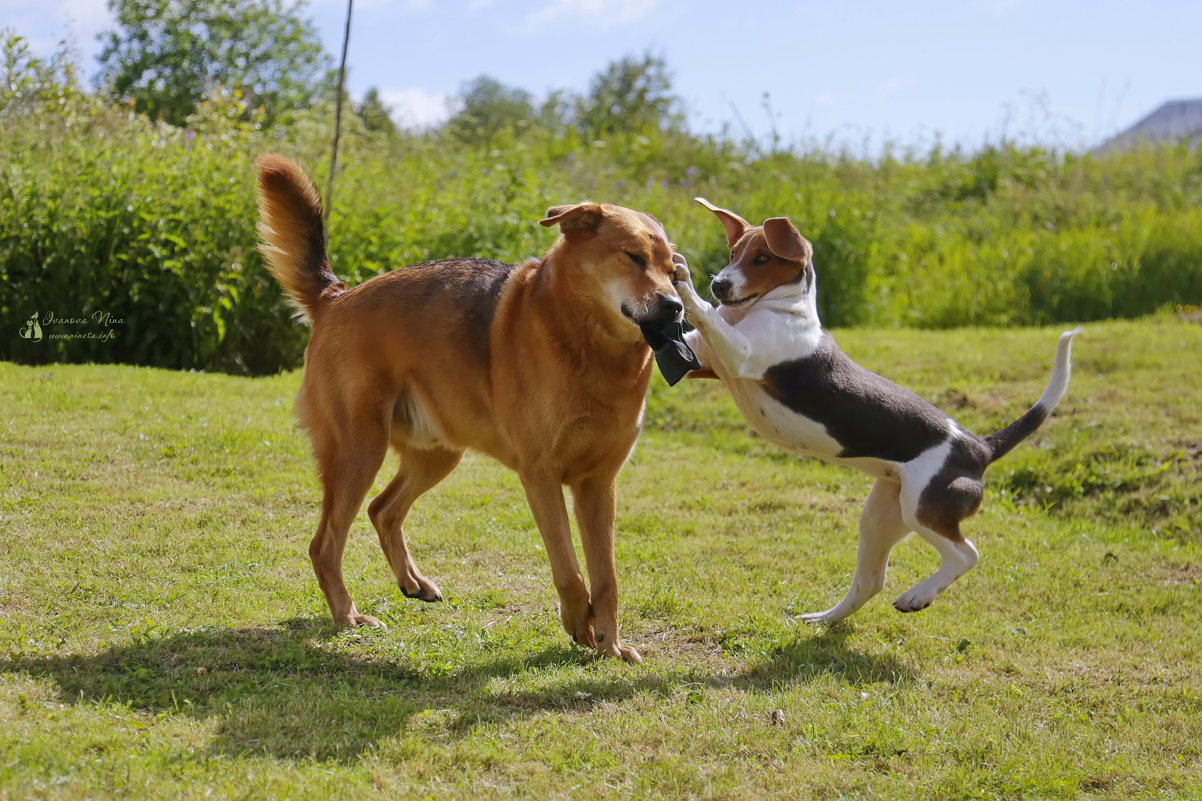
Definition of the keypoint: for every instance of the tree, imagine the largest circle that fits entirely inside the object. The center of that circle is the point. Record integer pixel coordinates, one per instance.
(375, 114)
(28, 83)
(166, 54)
(558, 111)
(488, 106)
(631, 94)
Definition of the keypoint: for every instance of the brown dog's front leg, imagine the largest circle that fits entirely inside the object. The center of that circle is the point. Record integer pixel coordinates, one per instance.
(595, 511)
(545, 495)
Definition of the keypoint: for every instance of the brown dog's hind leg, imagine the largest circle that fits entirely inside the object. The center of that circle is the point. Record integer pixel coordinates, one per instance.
(419, 471)
(347, 473)
(595, 512)
(545, 494)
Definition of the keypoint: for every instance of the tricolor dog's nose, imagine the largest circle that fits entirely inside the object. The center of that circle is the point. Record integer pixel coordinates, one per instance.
(720, 287)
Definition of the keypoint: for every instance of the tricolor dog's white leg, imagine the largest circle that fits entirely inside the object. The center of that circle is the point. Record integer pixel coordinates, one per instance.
(956, 559)
(730, 348)
(957, 555)
(881, 527)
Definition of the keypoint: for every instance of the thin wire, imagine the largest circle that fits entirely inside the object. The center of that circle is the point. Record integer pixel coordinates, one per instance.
(346, 39)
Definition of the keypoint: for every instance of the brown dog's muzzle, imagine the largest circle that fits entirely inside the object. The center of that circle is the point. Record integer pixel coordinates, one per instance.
(668, 310)
(664, 309)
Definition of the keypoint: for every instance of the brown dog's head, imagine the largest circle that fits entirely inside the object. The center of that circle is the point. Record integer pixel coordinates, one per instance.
(762, 258)
(620, 258)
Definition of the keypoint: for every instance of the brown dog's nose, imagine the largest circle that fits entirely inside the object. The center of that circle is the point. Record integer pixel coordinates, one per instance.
(669, 308)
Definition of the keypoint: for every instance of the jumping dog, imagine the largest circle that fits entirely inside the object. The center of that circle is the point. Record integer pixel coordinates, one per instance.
(799, 390)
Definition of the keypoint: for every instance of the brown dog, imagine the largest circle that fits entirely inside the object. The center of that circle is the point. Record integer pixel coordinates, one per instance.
(540, 365)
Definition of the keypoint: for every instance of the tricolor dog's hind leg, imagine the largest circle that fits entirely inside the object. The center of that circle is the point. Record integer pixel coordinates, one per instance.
(881, 527)
(945, 485)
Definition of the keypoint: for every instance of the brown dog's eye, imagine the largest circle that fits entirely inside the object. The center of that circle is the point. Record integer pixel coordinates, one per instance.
(762, 258)
(637, 259)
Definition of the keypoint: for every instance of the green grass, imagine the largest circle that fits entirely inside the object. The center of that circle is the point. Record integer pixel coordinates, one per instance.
(162, 636)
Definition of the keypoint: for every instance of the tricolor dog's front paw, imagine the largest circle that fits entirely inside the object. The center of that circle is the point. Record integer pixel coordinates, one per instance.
(682, 269)
(683, 281)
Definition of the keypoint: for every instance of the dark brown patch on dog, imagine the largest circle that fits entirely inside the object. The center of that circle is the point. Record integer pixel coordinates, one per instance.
(867, 414)
(956, 491)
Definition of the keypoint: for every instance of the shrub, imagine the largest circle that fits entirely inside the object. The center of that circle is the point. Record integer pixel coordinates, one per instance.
(103, 211)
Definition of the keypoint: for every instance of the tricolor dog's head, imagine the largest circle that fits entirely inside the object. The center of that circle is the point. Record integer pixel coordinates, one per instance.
(762, 258)
(621, 258)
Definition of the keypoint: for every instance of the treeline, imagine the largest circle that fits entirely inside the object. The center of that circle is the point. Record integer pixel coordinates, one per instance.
(110, 210)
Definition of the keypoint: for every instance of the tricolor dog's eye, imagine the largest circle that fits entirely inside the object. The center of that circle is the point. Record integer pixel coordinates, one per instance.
(761, 259)
(638, 259)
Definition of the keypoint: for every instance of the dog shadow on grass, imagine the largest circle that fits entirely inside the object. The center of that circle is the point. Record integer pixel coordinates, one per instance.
(811, 657)
(290, 692)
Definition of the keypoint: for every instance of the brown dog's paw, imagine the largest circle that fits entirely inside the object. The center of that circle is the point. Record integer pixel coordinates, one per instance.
(623, 652)
(578, 623)
(422, 589)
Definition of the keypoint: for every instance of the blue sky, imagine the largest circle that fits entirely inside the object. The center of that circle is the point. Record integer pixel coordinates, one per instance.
(854, 73)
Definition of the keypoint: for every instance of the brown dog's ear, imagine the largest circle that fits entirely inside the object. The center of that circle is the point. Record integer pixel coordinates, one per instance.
(786, 242)
(579, 217)
(735, 225)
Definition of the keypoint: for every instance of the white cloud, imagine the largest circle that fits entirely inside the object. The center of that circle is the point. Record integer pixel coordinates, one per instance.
(605, 13)
(416, 107)
(44, 23)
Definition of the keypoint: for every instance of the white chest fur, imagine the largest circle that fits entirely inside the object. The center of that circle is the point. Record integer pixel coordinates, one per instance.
(775, 422)
(774, 333)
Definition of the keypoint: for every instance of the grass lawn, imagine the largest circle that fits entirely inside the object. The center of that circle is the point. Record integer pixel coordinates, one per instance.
(162, 635)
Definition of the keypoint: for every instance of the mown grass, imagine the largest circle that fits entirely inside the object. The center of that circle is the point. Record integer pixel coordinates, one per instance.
(162, 636)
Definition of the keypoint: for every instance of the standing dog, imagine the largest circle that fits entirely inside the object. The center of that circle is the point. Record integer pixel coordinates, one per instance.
(540, 365)
(797, 389)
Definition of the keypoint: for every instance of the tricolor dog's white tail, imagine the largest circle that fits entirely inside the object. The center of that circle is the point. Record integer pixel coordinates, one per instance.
(1002, 442)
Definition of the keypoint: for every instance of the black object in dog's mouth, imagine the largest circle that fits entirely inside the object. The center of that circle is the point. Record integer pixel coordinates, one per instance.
(673, 356)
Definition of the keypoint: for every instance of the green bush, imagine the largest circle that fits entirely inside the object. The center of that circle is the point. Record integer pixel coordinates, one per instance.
(103, 211)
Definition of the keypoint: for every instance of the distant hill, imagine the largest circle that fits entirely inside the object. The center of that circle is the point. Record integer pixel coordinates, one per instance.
(1175, 121)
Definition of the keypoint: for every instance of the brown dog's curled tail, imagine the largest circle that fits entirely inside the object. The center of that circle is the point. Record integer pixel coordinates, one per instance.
(293, 235)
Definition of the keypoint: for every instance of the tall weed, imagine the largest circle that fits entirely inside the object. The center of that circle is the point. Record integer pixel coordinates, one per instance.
(105, 212)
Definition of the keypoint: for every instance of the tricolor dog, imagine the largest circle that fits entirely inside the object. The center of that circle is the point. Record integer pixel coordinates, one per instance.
(540, 365)
(798, 390)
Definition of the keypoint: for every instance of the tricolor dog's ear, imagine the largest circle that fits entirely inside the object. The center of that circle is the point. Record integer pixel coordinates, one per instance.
(579, 217)
(735, 225)
(786, 242)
